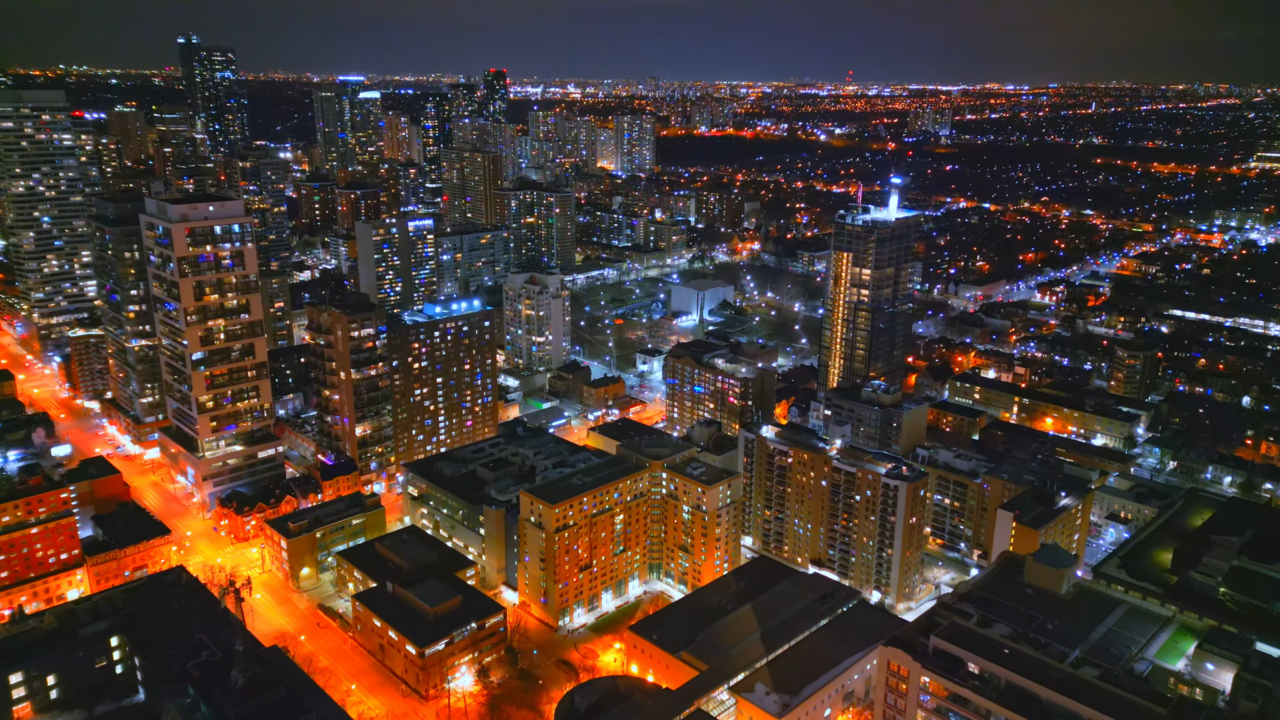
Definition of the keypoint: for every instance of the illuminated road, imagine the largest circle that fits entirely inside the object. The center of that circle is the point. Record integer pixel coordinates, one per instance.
(275, 613)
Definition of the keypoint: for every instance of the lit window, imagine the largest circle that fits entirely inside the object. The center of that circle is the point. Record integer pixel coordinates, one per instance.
(16, 678)
(18, 692)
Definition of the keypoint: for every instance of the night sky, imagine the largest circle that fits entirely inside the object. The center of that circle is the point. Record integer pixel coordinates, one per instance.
(1023, 41)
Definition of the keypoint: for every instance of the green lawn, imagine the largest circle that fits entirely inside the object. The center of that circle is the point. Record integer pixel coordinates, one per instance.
(1177, 646)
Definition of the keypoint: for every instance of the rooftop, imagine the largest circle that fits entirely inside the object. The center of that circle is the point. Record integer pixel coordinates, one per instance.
(93, 468)
(129, 524)
(701, 472)
(1064, 400)
(430, 610)
(950, 408)
(195, 657)
(584, 480)
(308, 520)
(626, 429)
(405, 554)
(798, 672)
(745, 615)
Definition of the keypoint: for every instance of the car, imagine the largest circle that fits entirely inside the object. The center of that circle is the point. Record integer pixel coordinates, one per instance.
(109, 455)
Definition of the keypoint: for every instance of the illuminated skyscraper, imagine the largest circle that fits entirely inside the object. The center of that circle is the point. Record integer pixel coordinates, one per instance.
(634, 145)
(46, 191)
(494, 96)
(445, 377)
(264, 183)
(136, 404)
(214, 93)
(434, 132)
(537, 320)
(471, 178)
(339, 109)
(866, 323)
(542, 222)
(400, 138)
(208, 310)
(352, 375)
(398, 260)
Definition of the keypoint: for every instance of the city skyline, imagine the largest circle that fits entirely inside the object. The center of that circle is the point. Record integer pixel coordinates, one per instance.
(912, 42)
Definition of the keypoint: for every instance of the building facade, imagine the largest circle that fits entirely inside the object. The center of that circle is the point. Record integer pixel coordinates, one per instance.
(203, 266)
(352, 375)
(444, 377)
(866, 323)
(46, 195)
(536, 307)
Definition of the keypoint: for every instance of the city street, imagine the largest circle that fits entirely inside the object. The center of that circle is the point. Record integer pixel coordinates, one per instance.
(275, 613)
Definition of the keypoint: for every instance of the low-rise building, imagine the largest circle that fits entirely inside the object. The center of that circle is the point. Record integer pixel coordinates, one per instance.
(302, 545)
(961, 421)
(1110, 420)
(415, 609)
(161, 646)
(128, 543)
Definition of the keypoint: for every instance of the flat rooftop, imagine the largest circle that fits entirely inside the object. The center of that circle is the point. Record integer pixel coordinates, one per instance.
(129, 524)
(1158, 559)
(403, 608)
(1070, 402)
(950, 408)
(308, 520)
(584, 480)
(626, 429)
(409, 552)
(93, 468)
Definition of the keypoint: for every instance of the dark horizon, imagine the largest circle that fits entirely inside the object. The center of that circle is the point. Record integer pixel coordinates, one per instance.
(910, 41)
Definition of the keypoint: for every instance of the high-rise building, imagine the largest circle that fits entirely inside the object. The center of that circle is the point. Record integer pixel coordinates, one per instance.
(866, 323)
(265, 178)
(203, 262)
(707, 380)
(401, 139)
(317, 202)
(178, 146)
(471, 177)
(464, 101)
(128, 126)
(340, 112)
(367, 127)
(434, 132)
(352, 375)
(46, 191)
(635, 144)
(407, 190)
(397, 261)
(542, 222)
(214, 94)
(495, 137)
(277, 307)
(136, 405)
(536, 306)
(1132, 368)
(861, 515)
(358, 203)
(494, 95)
(445, 359)
(470, 257)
